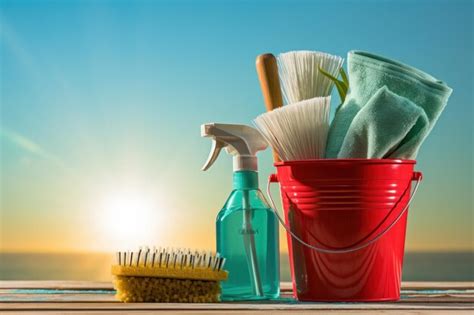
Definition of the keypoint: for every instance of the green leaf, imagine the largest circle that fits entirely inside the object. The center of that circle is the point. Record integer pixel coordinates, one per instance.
(342, 86)
(333, 79)
(341, 89)
(344, 76)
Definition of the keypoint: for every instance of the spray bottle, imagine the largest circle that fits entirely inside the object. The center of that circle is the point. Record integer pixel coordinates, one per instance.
(246, 227)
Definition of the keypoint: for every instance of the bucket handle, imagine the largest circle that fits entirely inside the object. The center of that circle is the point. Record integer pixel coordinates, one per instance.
(417, 176)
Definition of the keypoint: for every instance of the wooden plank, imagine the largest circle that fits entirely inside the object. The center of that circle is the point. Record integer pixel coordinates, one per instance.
(74, 295)
(250, 312)
(434, 285)
(285, 286)
(55, 297)
(230, 306)
(13, 296)
(51, 284)
(64, 298)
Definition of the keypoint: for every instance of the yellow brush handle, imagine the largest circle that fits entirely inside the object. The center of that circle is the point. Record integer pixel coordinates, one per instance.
(267, 71)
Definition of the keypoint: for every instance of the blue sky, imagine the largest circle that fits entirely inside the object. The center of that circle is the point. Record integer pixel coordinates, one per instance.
(100, 96)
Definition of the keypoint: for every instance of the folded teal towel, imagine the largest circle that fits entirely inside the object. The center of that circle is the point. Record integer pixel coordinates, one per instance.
(390, 109)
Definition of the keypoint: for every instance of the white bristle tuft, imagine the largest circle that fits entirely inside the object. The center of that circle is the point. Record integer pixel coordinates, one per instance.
(301, 78)
(298, 131)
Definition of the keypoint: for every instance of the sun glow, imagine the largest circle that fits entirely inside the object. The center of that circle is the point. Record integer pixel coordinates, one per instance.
(129, 219)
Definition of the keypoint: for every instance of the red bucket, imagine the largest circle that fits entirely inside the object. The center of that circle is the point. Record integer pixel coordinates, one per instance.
(346, 223)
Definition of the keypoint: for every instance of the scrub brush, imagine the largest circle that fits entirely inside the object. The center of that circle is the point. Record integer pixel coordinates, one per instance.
(164, 275)
(297, 131)
(301, 76)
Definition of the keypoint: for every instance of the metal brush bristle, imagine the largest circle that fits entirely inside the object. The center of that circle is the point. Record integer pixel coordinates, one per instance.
(298, 131)
(301, 78)
(170, 258)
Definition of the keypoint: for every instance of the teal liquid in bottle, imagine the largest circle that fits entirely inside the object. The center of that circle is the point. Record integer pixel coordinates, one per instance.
(247, 236)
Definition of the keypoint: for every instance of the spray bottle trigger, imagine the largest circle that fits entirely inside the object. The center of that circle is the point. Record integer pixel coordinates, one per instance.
(215, 150)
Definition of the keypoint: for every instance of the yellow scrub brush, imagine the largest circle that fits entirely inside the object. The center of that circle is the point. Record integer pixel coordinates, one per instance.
(166, 275)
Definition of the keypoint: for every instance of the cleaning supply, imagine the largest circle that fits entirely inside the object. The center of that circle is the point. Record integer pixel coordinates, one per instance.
(297, 131)
(387, 126)
(346, 223)
(246, 227)
(300, 75)
(267, 70)
(390, 110)
(164, 275)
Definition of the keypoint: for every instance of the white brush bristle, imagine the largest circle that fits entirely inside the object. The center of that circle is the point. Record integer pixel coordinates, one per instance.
(300, 77)
(298, 131)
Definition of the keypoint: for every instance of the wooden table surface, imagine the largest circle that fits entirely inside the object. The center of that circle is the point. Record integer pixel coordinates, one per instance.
(80, 297)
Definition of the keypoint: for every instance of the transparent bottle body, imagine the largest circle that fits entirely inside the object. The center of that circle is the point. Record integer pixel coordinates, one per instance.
(247, 235)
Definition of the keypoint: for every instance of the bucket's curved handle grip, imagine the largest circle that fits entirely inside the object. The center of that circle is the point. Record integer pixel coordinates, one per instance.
(417, 176)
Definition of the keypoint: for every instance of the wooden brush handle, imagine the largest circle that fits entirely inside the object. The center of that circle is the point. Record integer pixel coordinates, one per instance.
(267, 71)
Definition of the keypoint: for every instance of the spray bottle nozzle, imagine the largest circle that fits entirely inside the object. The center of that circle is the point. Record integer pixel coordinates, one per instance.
(215, 150)
(241, 141)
